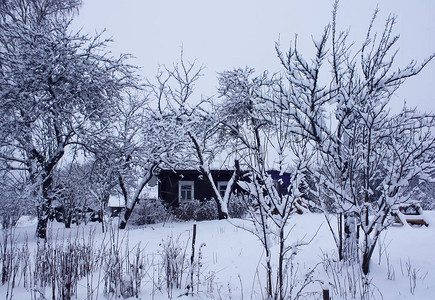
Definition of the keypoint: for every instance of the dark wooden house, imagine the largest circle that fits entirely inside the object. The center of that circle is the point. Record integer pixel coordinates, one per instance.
(185, 185)
(282, 181)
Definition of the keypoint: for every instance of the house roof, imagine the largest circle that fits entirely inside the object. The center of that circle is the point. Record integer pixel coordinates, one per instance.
(116, 200)
(192, 171)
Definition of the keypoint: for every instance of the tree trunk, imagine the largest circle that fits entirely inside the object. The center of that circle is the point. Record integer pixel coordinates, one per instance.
(366, 264)
(67, 219)
(47, 182)
(269, 287)
(129, 210)
(281, 265)
(101, 219)
(350, 243)
(127, 215)
(41, 228)
(44, 208)
(265, 241)
(367, 255)
(221, 215)
(340, 236)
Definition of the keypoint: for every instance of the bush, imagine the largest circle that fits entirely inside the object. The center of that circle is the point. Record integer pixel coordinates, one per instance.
(238, 206)
(197, 210)
(150, 211)
(207, 210)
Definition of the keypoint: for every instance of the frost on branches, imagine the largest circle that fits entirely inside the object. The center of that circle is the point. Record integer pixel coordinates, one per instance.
(260, 136)
(367, 155)
(197, 120)
(58, 88)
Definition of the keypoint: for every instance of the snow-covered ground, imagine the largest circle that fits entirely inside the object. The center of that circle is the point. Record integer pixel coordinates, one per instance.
(232, 258)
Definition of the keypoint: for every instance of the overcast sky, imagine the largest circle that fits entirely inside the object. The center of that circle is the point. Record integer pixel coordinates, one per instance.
(225, 34)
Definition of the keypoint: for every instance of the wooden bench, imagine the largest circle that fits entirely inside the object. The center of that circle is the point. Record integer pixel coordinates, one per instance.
(411, 214)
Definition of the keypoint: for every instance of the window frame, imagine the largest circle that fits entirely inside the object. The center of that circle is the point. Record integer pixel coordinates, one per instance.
(190, 183)
(220, 184)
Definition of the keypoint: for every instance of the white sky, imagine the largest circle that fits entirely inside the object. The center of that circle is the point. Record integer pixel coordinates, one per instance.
(226, 34)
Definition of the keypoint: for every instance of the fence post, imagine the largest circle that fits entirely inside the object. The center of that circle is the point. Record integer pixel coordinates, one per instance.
(326, 294)
(192, 258)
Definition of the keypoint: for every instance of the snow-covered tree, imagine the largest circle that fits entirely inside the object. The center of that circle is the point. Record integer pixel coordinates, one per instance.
(72, 193)
(58, 88)
(200, 123)
(368, 155)
(423, 191)
(15, 199)
(133, 147)
(338, 105)
(156, 146)
(259, 133)
(101, 175)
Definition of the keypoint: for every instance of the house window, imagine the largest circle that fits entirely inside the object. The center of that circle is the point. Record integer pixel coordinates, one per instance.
(222, 186)
(185, 191)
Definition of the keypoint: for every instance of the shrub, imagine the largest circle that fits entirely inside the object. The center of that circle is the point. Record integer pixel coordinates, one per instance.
(150, 211)
(238, 206)
(207, 210)
(186, 211)
(197, 210)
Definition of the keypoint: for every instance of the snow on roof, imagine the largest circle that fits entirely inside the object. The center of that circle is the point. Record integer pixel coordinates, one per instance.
(116, 200)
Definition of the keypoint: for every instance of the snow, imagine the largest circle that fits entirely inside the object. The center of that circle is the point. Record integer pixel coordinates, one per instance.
(232, 258)
(26, 221)
(116, 200)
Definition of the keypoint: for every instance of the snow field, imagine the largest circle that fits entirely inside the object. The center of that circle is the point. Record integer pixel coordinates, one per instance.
(232, 258)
